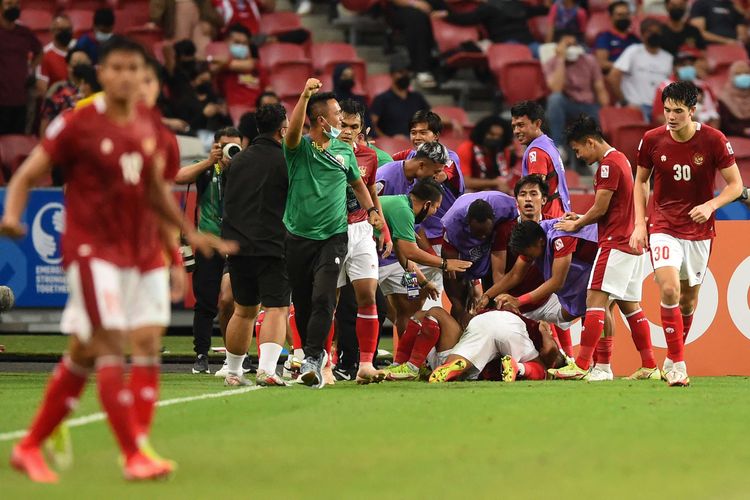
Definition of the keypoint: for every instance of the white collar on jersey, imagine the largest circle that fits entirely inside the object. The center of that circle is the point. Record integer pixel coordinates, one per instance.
(697, 126)
(608, 151)
(100, 104)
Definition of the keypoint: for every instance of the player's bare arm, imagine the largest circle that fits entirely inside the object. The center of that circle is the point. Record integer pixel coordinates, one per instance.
(731, 192)
(560, 268)
(509, 281)
(297, 120)
(36, 166)
(385, 243)
(639, 238)
(572, 222)
(498, 261)
(189, 173)
(410, 251)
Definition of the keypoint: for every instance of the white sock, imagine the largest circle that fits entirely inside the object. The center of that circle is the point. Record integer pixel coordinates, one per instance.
(521, 369)
(269, 357)
(680, 366)
(299, 354)
(606, 367)
(234, 363)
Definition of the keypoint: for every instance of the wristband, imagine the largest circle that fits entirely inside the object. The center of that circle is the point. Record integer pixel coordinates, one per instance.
(444, 265)
(524, 299)
(372, 209)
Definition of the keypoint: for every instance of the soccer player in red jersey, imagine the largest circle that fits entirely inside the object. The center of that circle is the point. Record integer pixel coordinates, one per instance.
(111, 252)
(683, 157)
(617, 273)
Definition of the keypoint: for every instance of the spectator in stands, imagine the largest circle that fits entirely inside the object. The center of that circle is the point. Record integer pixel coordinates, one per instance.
(17, 43)
(566, 15)
(104, 24)
(196, 20)
(343, 86)
(487, 156)
(241, 78)
(686, 68)
(392, 110)
(641, 68)
(248, 125)
(248, 14)
(734, 101)
(412, 19)
(65, 94)
(678, 32)
(719, 21)
(54, 67)
(609, 45)
(577, 85)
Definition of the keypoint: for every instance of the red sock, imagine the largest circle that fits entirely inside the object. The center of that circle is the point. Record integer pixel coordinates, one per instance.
(671, 321)
(425, 341)
(593, 326)
(406, 341)
(566, 343)
(641, 332)
(604, 350)
(533, 370)
(329, 343)
(687, 322)
(296, 339)
(144, 385)
(367, 328)
(258, 326)
(63, 390)
(117, 402)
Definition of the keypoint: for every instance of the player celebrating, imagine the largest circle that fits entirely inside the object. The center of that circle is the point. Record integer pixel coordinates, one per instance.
(684, 157)
(618, 270)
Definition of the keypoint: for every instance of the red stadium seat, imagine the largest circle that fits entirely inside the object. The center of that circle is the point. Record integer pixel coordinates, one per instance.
(83, 20)
(274, 23)
(598, 5)
(500, 54)
(237, 111)
(451, 115)
(626, 139)
(393, 145)
(51, 6)
(720, 57)
(36, 20)
(377, 84)
(539, 25)
(598, 22)
(13, 151)
(148, 37)
(741, 147)
(275, 54)
(218, 51)
(359, 6)
(286, 88)
(522, 80)
(612, 117)
(326, 55)
(89, 4)
(573, 181)
(449, 37)
(131, 14)
(581, 202)
(452, 142)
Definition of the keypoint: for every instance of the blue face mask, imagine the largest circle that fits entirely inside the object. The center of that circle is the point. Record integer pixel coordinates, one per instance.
(742, 81)
(102, 37)
(239, 51)
(333, 133)
(687, 73)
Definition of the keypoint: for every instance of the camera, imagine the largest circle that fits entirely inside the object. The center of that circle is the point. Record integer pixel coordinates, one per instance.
(188, 259)
(230, 150)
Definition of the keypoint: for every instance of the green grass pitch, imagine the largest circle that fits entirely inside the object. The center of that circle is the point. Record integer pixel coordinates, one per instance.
(413, 440)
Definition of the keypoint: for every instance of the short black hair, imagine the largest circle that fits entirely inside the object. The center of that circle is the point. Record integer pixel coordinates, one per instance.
(72, 51)
(525, 234)
(562, 32)
(582, 128)
(532, 109)
(427, 190)
(683, 92)
(480, 211)
(226, 132)
(353, 107)
(485, 124)
(156, 67)
(318, 104)
(239, 28)
(534, 179)
(269, 118)
(433, 151)
(87, 74)
(433, 121)
(120, 43)
(104, 17)
(265, 93)
(611, 7)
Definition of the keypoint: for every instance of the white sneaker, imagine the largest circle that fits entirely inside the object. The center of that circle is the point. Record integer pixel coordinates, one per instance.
(426, 80)
(224, 371)
(677, 378)
(598, 375)
(305, 7)
(236, 381)
(264, 379)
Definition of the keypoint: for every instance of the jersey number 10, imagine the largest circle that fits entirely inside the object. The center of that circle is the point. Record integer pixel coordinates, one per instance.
(682, 172)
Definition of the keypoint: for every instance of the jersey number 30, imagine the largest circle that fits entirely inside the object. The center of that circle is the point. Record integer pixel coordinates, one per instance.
(682, 172)
(132, 164)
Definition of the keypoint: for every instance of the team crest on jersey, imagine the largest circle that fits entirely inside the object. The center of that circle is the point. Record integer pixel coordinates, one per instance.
(532, 156)
(559, 245)
(362, 170)
(698, 159)
(663, 157)
(340, 159)
(605, 171)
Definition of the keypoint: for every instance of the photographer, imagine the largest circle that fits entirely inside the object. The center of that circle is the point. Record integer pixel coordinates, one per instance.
(208, 281)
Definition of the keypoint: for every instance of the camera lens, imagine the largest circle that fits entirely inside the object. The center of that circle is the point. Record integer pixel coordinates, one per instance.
(230, 150)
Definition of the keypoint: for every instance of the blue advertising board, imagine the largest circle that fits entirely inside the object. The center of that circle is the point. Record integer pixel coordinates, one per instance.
(32, 266)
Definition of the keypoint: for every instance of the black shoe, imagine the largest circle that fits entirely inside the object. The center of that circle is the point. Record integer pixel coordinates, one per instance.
(201, 364)
(345, 374)
(248, 366)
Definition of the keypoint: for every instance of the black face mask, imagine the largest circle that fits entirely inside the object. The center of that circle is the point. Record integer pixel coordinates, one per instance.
(64, 37)
(622, 25)
(677, 14)
(403, 82)
(204, 88)
(12, 14)
(654, 40)
(346, 84)
(422, 215)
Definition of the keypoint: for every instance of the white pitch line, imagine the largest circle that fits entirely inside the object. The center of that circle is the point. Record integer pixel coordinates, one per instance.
(99, 416)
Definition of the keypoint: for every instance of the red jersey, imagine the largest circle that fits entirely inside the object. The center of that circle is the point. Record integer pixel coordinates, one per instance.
(107, 167)
(243, 88)
(534, 277)
(244, 12)
(540, 163)
(616, 226)
(684, 177)
(367, 161)
(54, 67)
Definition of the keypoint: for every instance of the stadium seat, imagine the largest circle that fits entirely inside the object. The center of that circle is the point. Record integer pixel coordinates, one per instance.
(581, 202)
(326, 55)
(539, 25)
(717, 81)
(327, 81)
(598, 5)
(377, 84)
(741, 147)
(273, 55)
(51, 6)
(451, 115)
(217, 51)
(13, 151)
(720, 57)
(90, 4)
(83, 20)
(236, 112)
(500, 54)
(148, 37)
(359, 6)
(598, 22)
(131, 13)
(626, 139)
(522, 80)
(573, 181)
(449, 37)
(393, 145)
(612, 117)
(37, 20)
(452, 142)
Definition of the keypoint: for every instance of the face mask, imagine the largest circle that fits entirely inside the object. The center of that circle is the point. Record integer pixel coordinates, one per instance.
(12, 14)
(403, 82)
(654, 40)
(239, 51)
(677, 14)
(422, 215)
(687, 73)
(346, 84)
(573, 52)
(102, 37)
(742, 81)
(622, 25)
(64, 37)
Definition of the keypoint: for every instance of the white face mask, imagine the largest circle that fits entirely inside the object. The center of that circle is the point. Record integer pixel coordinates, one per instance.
(573, 52)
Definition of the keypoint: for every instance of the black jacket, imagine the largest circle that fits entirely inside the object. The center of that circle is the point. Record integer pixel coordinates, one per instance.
(255, 198)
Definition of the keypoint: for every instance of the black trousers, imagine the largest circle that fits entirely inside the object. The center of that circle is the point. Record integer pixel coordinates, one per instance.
(314, 267)
(346, 324)
(12, 120)
(206, 288)
(416, 28)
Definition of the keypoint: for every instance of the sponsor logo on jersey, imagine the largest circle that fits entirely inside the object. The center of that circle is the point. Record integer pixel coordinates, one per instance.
(605, 172)
(559, 245)
(379, 187)
(532, 157)
(698, 159)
